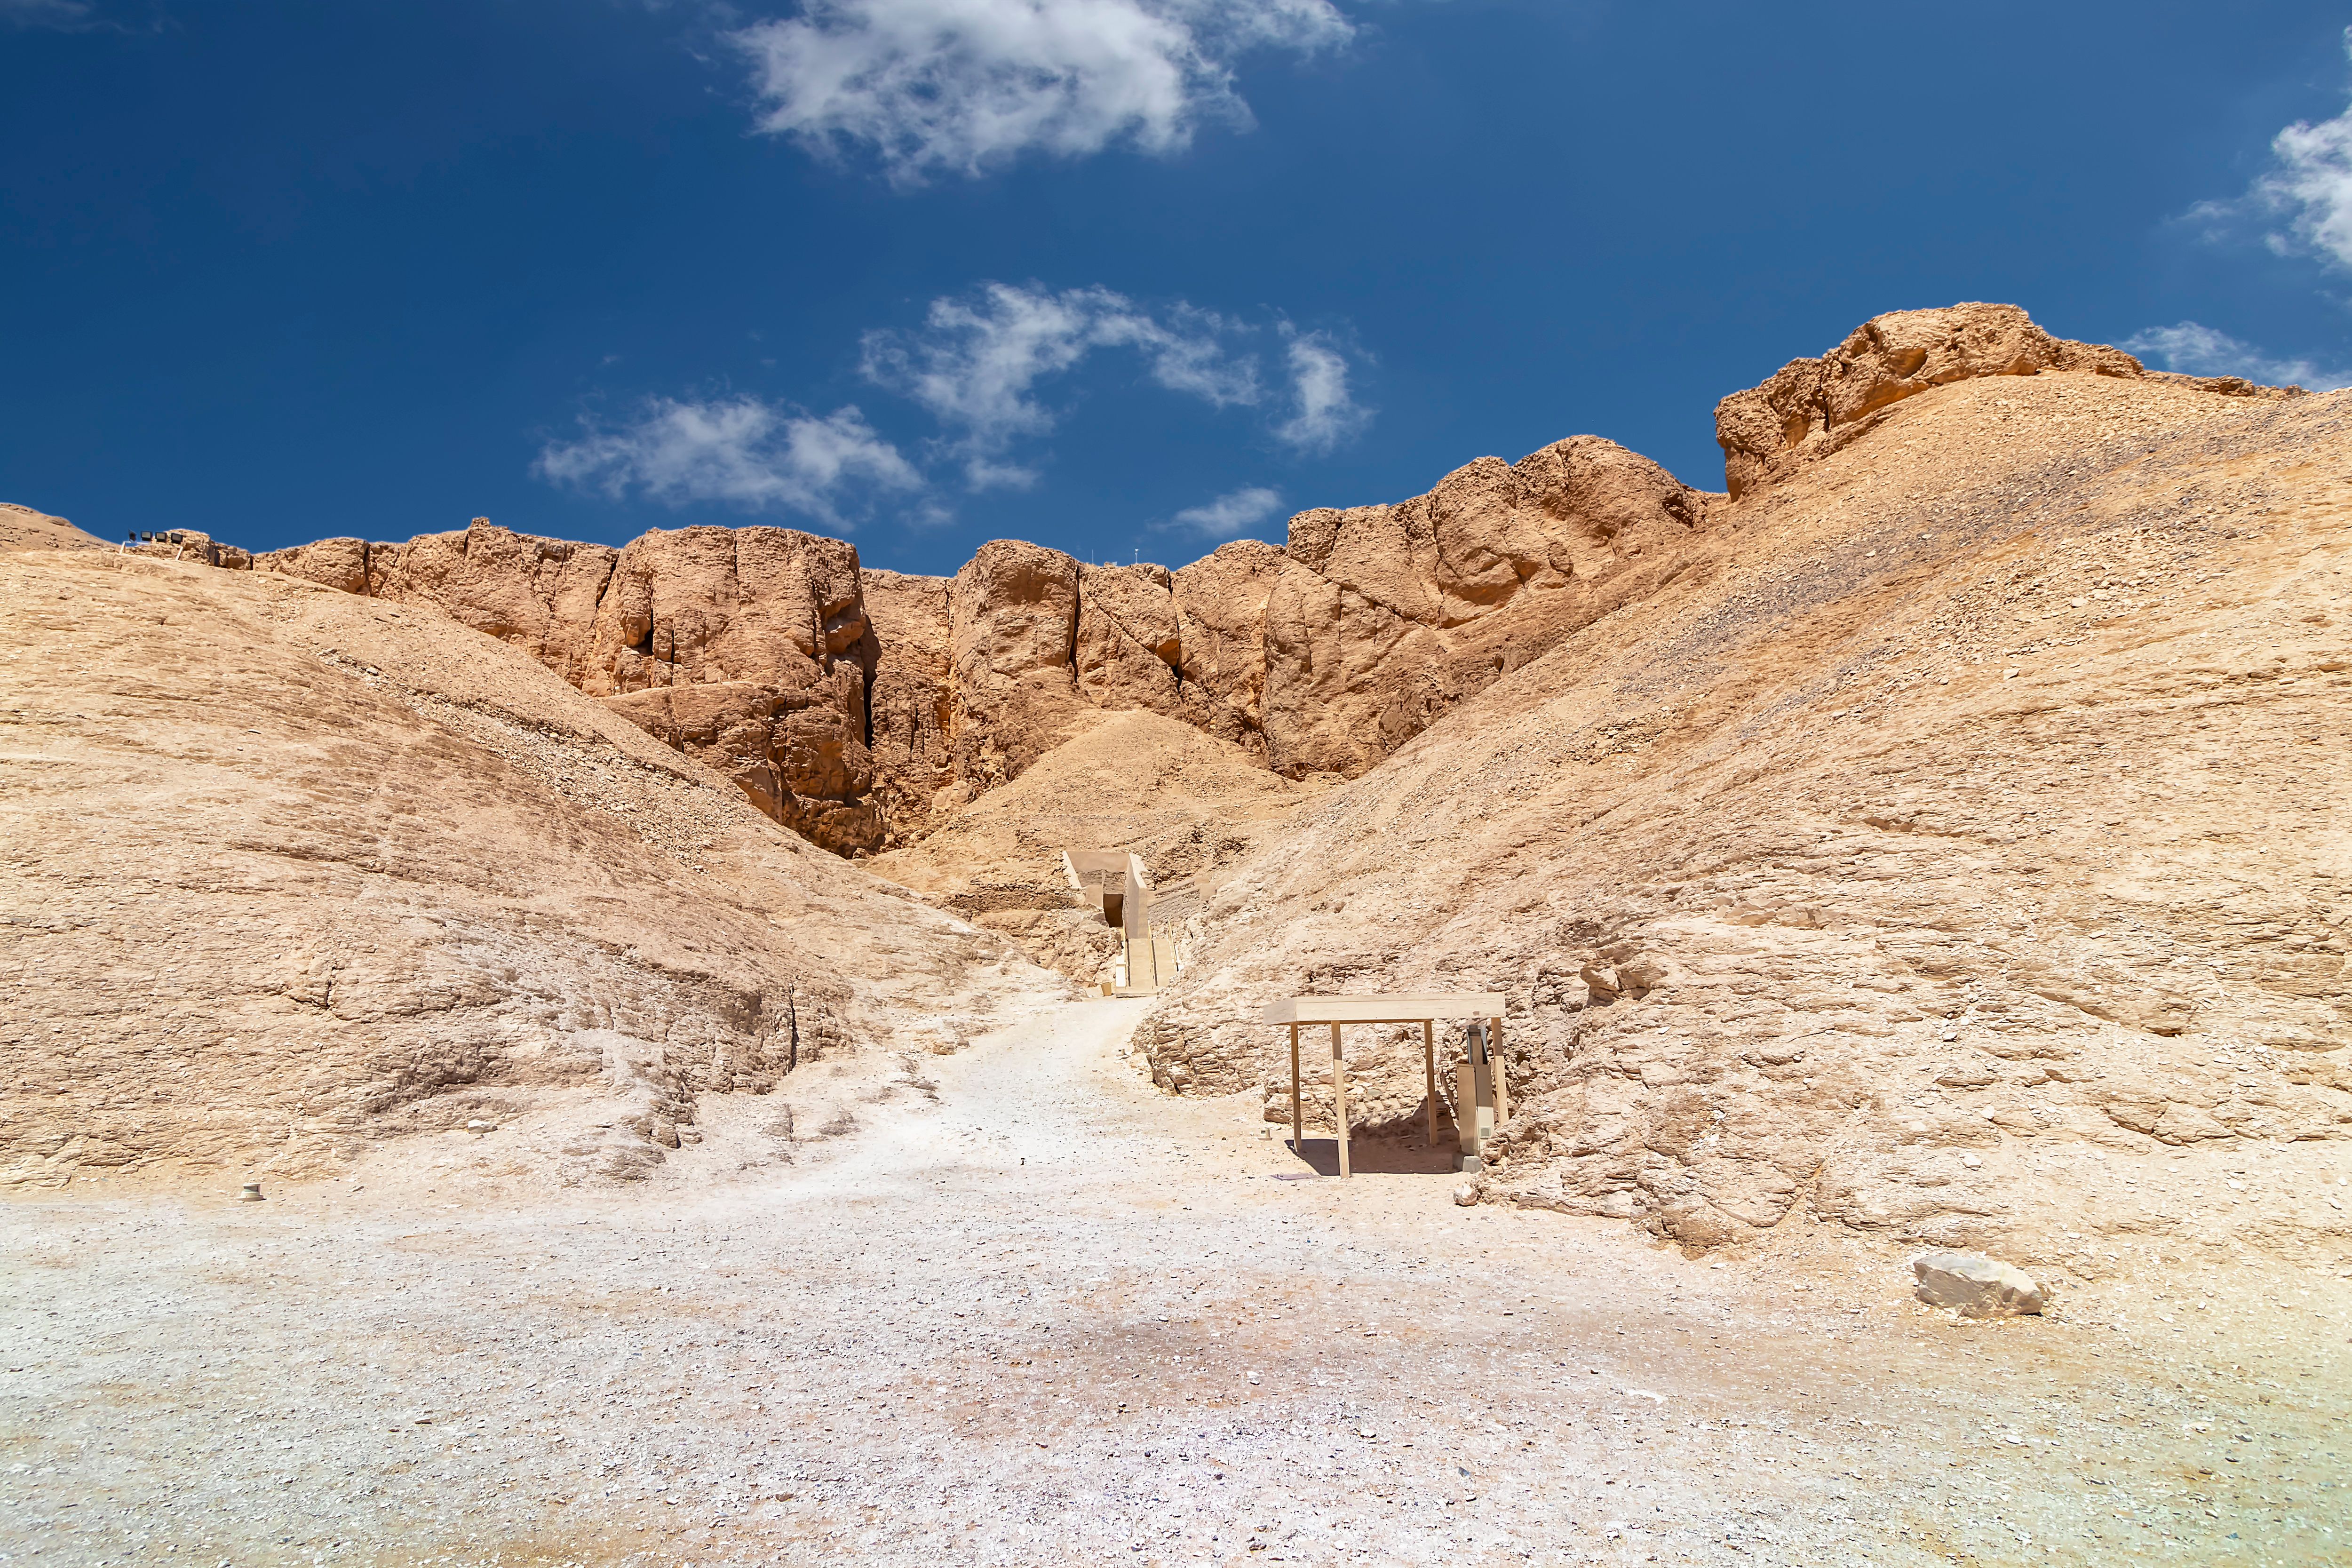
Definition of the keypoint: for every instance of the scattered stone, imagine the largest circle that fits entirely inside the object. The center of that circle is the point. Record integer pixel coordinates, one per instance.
(1466, 1193)
(1975, 1286)
(1642, 974)
(249, 1193)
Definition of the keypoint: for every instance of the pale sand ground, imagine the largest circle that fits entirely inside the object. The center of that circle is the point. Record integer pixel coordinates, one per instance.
(1047, 1317)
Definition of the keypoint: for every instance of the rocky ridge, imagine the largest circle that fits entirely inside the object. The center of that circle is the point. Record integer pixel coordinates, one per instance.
(1811, 407)
(1942, 852)
(27, 528)
(863, 709)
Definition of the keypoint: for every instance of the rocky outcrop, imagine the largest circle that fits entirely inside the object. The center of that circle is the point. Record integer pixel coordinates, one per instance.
(1012, 628)
(1813, 406)
(857, 707)
(338, 564)
(1129, 652)
(747, 648)
(740, 646)
(1325, 656)
(861, 708)
(1383, 618)
(539, 594)
(1221, 605)
(909, 712)
(1975, 1286)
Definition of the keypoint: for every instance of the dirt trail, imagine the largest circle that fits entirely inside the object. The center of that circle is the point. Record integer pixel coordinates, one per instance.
(1029, 1313)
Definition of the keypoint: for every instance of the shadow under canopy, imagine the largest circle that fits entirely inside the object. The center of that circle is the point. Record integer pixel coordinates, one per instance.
(1472, 1007)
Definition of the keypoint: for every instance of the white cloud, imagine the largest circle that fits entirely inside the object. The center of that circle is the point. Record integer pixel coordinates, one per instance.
(980, 365)
(2196, 350)
(66, 15)
(1325, 412)
(1232, 514)
(977, 363)
(2310, 187)
(739, 451)
(958, 86)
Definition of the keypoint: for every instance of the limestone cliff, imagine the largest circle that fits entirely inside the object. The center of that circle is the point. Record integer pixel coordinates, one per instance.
(861, 708)
(746, 648)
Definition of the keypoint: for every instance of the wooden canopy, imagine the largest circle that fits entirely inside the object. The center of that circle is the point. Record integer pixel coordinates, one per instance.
(1467, 1005)
(1424, 1010)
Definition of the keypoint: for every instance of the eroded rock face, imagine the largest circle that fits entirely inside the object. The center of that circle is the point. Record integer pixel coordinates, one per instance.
(857, 707)
(1383, 618)
(539, 594)
(1812, 406)
(746, 648)
(738, 645)
(1221, 605)
(861, 708)
(338, 564)
(910, 701)
(1013, 629)
(1130, 647)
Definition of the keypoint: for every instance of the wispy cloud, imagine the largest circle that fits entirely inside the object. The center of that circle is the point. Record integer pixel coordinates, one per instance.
(978, 363)
(2312, 185)
(2306, 192)
(1325, 413)
(1232, 514)
(739, 451)
(61, 15)
(2196, 350)
(955, 87)
(983, 366)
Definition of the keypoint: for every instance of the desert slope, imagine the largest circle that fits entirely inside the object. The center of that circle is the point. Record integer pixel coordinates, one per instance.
(1955, 847)
(1189, 804)
(291, 871)
(23, 528)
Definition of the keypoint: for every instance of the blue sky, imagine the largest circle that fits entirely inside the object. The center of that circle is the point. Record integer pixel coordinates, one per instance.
(1116, 276)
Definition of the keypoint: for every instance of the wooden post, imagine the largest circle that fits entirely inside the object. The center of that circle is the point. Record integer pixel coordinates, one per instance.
(1501, 1092)
(1297, 1125)
(1340, 1096)
(1428, 1073)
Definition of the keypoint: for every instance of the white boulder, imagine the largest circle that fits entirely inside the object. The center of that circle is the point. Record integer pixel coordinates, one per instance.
(1975, 1284)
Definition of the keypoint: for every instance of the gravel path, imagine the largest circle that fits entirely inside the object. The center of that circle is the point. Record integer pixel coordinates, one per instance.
(1032, 1313)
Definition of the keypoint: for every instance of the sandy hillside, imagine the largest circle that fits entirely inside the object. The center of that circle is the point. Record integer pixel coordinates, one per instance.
(24, 528)
(1186, 802)
(1943, 840)
(1954, 849)
(290, 873)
